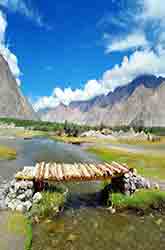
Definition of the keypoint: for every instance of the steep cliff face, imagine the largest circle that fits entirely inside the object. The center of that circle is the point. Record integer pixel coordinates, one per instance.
(141, 102)
(12, 102)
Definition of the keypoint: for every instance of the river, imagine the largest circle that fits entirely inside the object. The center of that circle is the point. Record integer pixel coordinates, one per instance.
(83, 225)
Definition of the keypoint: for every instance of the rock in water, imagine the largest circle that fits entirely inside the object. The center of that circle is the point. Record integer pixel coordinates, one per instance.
(12, 101)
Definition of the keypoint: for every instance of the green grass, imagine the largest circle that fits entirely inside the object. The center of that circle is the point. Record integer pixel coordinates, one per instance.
(142, 199)
(147, 165)
(139, 141)
(7, 153)
(49, 205)
(20, 225)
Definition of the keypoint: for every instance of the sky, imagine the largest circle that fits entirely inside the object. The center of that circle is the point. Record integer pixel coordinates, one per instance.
(63, 51)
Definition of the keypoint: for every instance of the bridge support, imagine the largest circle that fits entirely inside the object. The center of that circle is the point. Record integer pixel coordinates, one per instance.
(106, 196)
(127, 184)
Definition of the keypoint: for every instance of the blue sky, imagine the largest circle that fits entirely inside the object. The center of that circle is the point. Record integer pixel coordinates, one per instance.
(74, 50)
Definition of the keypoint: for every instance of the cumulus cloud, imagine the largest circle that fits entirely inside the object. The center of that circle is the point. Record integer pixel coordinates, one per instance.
(140, 62)
(153, 9)
(5, 51)
(20, 6)
(132, 41)
(91, 89)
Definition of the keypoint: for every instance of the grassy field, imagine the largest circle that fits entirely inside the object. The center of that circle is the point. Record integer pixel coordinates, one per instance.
(147, 165)
(7, 153)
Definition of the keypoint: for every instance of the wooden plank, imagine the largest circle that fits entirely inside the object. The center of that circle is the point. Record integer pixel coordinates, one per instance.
(63, 171)
(78, 171)
(105, 169)
(91, 171)
(74, 172)
(37, 170)
(52, 175)
(97, 170)
(43, 171)
(40, 171)
(59, 172)
(123, 168)
(115, 169)
(53, 169)
(84, 171)
(67, 171)
(46, 176)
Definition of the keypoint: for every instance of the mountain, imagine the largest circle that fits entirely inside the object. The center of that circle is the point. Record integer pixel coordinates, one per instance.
(12, 102)
(140, 102)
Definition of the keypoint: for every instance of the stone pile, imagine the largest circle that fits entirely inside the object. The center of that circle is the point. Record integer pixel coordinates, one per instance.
(20, 196)
(129, 183)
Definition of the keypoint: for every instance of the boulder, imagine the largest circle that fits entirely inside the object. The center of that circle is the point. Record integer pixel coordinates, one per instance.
(21, 197)
(129, 183)
(29, 194)
(27, 205)
(37, 197)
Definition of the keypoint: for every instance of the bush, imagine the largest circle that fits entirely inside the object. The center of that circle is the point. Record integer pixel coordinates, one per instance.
(52, 202)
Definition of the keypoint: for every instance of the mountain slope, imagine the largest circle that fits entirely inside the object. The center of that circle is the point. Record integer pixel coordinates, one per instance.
(140, 102)
(12, 102)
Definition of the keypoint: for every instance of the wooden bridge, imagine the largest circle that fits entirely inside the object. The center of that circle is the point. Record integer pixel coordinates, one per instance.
(47, 172)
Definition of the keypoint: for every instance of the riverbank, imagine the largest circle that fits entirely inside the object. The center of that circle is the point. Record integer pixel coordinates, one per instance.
(141, 202)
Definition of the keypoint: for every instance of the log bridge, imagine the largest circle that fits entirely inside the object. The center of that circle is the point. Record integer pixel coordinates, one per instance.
(56, 172)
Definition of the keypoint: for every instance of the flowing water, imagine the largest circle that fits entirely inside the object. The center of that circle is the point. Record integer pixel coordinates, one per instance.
(83, 225)
(95, 229)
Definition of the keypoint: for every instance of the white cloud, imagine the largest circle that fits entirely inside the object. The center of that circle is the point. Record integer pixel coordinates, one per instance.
(132, 41)
(45, 102)
(5, 51)
(91, 89)
(21, 7)
(3, 26)
(140, 62)
(154, 9)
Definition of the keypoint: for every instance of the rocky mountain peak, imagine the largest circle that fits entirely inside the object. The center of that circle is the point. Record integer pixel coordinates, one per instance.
(12, 102)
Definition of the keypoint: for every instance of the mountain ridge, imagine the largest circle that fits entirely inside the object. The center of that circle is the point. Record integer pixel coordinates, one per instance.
(127, 104)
